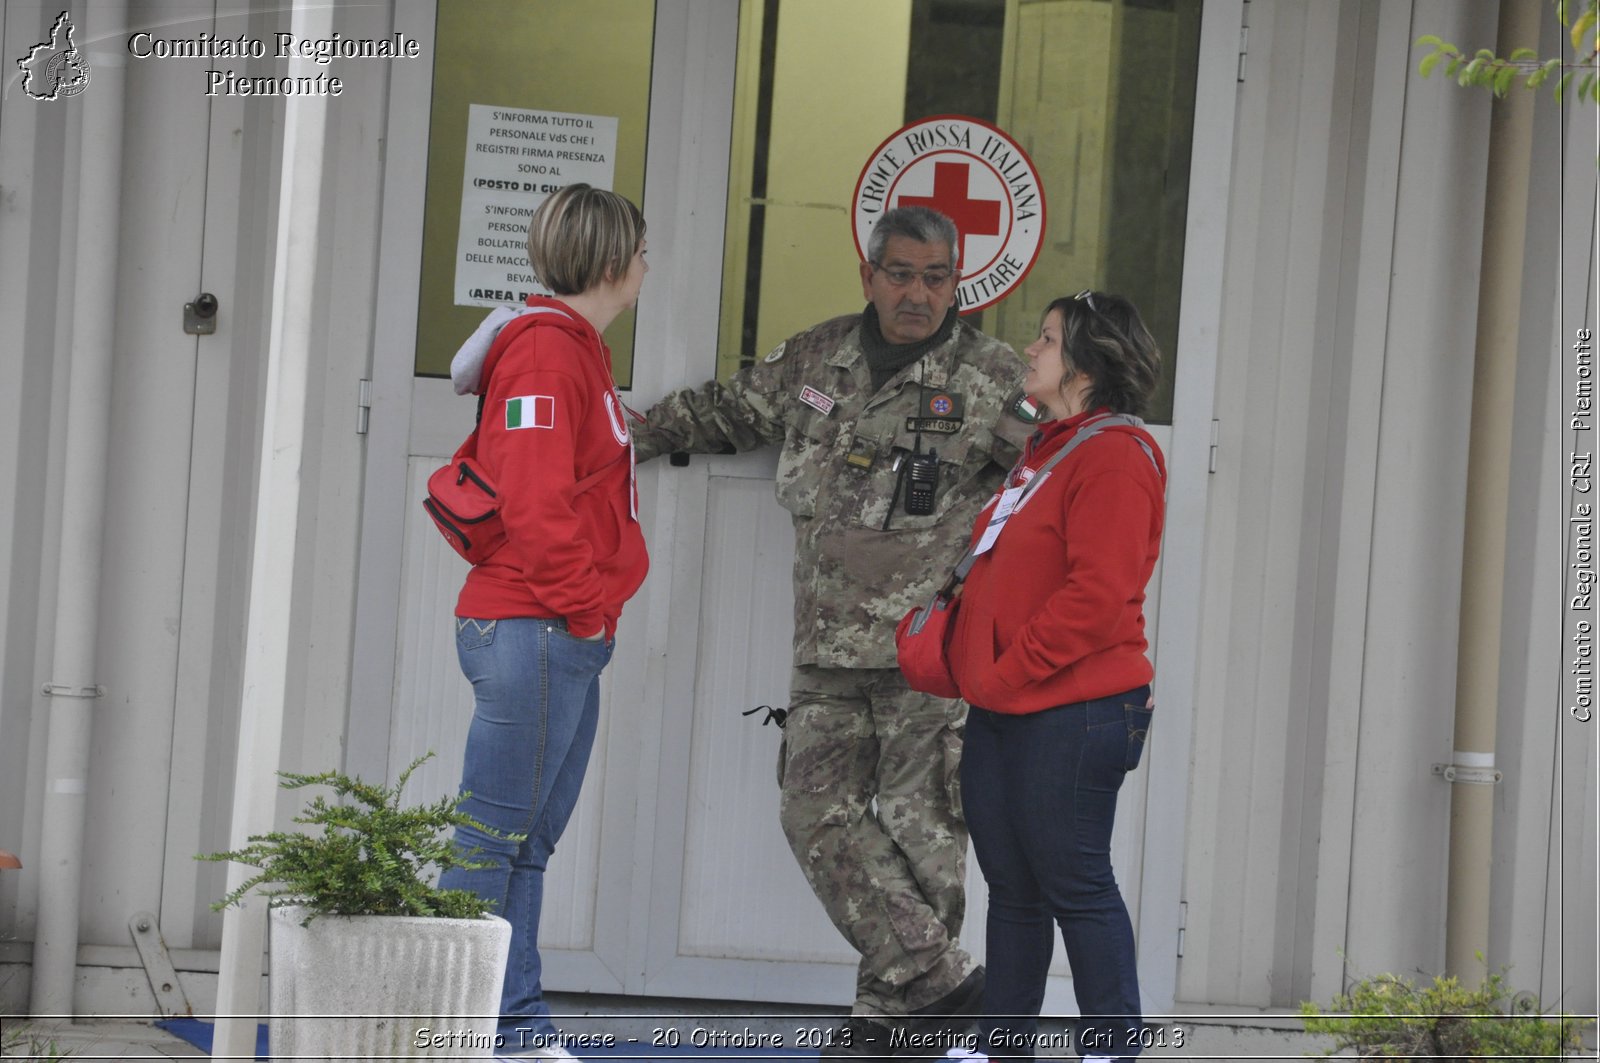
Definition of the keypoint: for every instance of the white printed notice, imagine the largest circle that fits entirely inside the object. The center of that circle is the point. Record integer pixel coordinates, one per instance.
(515, 158)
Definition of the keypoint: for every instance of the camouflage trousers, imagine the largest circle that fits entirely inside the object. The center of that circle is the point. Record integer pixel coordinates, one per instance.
(870, 802)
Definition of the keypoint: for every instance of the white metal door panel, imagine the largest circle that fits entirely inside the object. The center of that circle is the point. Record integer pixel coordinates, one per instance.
(747, 923)
(737, 897)
(743, 890)
(170, 592)
(141, 587)
(745, 911)
(408, 694)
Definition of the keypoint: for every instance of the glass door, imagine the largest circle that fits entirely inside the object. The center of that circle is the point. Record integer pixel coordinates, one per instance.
(674, 878)
(1100, 93)
(519, 99)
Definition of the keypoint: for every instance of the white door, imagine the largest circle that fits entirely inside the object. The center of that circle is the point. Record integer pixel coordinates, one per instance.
(731, 914)
(185, 432)
(409, 697)
(674, 878)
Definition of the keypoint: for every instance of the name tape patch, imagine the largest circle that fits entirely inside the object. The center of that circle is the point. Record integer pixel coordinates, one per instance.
(816, 400)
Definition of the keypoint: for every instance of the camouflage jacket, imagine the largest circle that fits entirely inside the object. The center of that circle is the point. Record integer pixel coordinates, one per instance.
(858, 567)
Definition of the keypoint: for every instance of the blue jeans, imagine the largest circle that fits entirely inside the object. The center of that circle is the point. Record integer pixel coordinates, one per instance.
(537, 704)
(1040, 792)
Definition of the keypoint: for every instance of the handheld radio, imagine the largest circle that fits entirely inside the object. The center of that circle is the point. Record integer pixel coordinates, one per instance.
(922, 483)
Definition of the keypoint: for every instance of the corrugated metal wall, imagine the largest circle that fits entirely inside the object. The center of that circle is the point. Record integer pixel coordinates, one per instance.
(197, 214)
(1318, 833)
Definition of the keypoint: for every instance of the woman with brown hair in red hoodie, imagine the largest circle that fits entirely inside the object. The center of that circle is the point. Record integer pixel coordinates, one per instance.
(1049, 650)
(536, 620)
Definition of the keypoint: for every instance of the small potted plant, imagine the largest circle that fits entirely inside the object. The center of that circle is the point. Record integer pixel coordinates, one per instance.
(1388, 1017)
(360, 936)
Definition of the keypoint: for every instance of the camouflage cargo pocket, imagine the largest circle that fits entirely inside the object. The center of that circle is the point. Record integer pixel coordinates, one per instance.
(804, 462)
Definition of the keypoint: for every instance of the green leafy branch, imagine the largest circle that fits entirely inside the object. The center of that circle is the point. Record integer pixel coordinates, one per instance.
(1388, 1017)
(371, 856)
(1487, 70)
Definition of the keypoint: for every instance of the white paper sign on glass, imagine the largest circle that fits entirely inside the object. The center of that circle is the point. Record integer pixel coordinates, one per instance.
(515, 158)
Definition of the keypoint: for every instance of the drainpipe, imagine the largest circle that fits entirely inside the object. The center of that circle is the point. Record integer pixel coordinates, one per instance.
(71, 686)
(267, 633)
(1472, 774)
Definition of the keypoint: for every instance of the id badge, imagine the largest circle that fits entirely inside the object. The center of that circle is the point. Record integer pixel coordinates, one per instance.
(997, 520)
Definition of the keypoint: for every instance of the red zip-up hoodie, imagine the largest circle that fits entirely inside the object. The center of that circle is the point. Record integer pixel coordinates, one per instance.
(1053, 613)
(552, 419)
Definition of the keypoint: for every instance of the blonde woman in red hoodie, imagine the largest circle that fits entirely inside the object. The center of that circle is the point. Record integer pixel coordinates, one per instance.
(535, 623)
(1049, 650)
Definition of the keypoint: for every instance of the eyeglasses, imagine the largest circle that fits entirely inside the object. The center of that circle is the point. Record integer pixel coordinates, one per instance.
(1087, 296)
(932, 279)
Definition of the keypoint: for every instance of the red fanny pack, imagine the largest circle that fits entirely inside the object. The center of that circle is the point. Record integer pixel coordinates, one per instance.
(464, 505)
(921, 646)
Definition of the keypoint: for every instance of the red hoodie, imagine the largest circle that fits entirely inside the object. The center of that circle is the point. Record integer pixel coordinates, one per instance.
(551, 419)
(1053, 613)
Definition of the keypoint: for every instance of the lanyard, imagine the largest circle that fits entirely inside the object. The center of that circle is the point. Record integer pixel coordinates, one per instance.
(1012, 497)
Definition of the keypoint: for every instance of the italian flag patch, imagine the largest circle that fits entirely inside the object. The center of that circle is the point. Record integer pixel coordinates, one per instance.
(531, 411)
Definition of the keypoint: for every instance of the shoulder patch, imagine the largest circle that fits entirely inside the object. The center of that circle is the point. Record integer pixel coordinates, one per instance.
(1023, 408)
(530, 411)
(776, 353)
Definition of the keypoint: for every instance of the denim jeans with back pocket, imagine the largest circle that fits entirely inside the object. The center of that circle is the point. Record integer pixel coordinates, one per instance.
(536, 692)
(1040, 792)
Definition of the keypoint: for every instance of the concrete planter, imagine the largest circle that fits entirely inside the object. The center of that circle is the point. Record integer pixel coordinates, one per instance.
(385, 986)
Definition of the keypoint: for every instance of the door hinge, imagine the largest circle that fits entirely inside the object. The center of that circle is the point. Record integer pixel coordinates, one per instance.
(1183, 924)
(363, 407)
(1216, 434)
(1244, 40)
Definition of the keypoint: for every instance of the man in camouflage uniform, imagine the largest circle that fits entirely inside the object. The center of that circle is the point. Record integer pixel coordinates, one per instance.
(852, 401)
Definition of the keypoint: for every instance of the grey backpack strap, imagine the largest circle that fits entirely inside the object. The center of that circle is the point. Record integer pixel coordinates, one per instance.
(1090, 430)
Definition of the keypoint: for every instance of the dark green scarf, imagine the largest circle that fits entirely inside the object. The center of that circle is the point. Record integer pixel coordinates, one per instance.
(885, 359)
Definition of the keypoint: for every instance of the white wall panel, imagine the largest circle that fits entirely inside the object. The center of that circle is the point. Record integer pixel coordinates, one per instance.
(1251, 711)
(1408, 691)
(1339, 458)
(153, 402)
(236, 267)
(1544, 879)
(39, 189)
(1318, 832)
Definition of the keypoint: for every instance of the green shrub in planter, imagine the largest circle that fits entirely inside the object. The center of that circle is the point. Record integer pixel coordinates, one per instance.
(1388, 1017)
(371, 856)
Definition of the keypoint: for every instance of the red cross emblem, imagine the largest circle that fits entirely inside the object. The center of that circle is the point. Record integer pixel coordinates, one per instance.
(973, 217)
(974, 174)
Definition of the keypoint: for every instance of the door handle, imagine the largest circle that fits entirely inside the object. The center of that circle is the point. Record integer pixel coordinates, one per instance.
(200, 316)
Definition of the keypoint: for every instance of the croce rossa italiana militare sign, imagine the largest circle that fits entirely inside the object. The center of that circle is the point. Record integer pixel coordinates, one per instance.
(977, 176)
